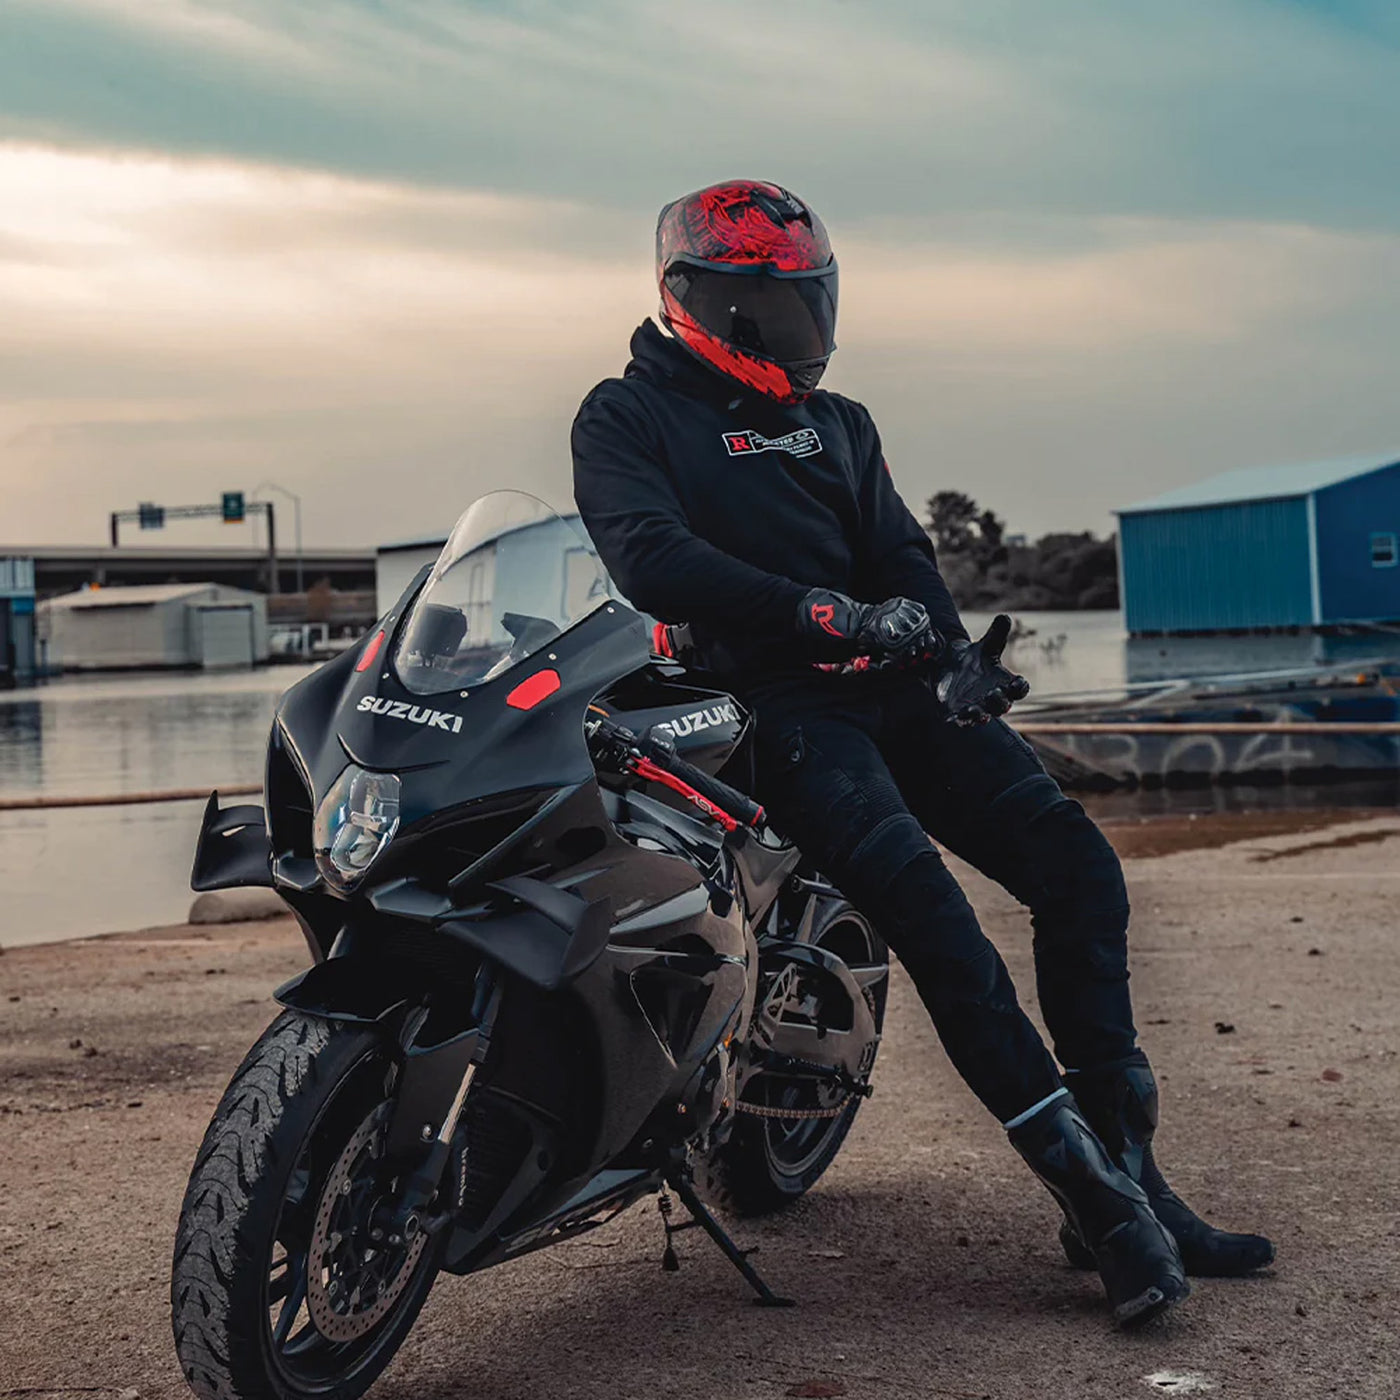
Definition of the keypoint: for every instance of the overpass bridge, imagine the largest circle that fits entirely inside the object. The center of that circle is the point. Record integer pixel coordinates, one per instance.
(63, 568)
(339, 582)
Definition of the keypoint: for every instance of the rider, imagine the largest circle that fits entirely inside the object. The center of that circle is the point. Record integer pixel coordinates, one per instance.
(723, 490)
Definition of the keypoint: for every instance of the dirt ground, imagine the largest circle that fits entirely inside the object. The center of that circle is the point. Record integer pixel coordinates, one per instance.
(1267, 981)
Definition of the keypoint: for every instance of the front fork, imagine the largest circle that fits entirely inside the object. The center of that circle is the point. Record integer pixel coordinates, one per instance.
(427, 1076)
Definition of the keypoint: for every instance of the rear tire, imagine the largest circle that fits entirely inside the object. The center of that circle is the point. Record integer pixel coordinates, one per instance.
(284, 1128)
(767, 1163)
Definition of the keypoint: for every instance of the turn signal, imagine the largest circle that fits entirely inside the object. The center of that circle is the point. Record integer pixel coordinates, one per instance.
(370, 652)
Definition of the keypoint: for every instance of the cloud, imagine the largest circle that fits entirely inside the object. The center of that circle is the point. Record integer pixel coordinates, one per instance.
(164, 324)
(1238, 108)
(172, 327)
(379, 252)
(196, 25)
(1110, 285)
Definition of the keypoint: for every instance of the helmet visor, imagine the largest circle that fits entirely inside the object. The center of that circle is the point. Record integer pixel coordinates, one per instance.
(787, 319)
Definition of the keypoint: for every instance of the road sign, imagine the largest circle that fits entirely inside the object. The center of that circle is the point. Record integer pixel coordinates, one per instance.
(233, 507)
(151, 517)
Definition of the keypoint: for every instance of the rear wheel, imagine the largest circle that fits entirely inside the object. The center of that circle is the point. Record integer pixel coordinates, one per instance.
(278, 1291)
(788, 1130)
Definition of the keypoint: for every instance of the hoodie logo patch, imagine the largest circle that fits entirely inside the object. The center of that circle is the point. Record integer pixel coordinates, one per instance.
(802, 443)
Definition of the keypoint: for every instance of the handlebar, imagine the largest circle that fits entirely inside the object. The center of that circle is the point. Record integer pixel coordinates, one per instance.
(742, 808)
(656, 760)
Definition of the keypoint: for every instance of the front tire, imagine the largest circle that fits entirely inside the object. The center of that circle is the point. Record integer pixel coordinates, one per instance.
(269, 1302)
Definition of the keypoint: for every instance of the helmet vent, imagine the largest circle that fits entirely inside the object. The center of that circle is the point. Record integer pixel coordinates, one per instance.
(782, 208)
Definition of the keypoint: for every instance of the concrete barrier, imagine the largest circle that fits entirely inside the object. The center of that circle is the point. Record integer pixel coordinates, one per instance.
(236, 906)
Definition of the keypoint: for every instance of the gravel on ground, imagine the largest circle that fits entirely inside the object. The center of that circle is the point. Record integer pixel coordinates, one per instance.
(1267, 981)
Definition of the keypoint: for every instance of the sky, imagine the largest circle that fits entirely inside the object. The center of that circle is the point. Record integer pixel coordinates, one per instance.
(376, 251)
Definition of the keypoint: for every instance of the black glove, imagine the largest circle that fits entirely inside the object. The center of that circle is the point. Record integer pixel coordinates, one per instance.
(975, 686)
(838, 627)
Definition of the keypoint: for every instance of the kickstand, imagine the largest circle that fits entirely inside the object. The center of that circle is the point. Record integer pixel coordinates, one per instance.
(701, 1216)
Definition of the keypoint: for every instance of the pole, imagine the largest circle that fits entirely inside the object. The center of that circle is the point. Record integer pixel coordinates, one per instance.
(271, 549)
(296, 518)
(115, 517)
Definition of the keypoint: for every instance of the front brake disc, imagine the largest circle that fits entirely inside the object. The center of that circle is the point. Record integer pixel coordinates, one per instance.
(352, 1283)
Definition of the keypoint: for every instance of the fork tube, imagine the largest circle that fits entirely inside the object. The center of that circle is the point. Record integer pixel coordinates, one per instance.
(449, 1124)
(485, 998)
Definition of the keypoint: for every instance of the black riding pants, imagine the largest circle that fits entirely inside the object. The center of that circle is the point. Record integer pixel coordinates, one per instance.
(861, 778)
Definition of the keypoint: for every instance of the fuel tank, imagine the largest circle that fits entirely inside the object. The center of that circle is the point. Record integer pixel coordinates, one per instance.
(706, 726)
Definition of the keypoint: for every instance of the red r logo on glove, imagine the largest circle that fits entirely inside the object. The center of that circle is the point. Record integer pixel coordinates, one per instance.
(822, 613)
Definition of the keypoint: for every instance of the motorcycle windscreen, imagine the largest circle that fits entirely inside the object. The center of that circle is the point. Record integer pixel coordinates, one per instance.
(511, 578)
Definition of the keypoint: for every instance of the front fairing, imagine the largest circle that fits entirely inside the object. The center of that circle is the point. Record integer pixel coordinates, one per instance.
(637, 1012)
(452, 752)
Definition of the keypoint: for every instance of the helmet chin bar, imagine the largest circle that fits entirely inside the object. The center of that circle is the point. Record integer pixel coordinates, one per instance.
(783, 383)
(805, 375)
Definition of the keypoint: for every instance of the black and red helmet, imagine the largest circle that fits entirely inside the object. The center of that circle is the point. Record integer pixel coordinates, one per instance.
(748, 285)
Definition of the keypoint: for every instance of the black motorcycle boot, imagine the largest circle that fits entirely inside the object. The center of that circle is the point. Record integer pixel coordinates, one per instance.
(1119, 1101)
(1135, 1256)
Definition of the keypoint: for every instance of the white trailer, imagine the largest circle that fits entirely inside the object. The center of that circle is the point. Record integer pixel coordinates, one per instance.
(188, 625)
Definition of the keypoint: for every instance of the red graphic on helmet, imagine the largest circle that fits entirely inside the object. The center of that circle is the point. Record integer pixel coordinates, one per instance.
(763, 375)
(748, 285)
(744, 222)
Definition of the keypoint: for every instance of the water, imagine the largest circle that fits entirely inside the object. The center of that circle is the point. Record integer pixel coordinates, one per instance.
(94, 870)
(1064, 651)
(100, 869)
(1067, 653)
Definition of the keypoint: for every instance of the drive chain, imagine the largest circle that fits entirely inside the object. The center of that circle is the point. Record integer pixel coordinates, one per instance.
(759, 1110)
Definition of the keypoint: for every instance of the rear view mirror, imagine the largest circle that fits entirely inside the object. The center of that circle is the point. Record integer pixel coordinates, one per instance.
(438, 630)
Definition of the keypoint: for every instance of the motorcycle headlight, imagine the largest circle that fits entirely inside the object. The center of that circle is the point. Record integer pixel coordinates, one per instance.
(355, 823)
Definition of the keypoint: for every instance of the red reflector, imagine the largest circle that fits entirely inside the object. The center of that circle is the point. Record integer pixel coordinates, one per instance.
(530, 692)
(370, 652)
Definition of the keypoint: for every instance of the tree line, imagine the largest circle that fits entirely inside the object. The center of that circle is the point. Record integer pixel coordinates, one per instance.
(987, 572)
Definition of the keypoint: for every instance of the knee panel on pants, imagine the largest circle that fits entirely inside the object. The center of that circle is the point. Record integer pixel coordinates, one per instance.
(927, 920)
(851, 820)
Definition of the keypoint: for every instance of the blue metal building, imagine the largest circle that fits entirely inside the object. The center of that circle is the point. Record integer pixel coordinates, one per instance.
(1266, 547)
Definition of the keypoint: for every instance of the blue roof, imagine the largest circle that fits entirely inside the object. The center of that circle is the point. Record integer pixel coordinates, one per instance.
(1264, 483)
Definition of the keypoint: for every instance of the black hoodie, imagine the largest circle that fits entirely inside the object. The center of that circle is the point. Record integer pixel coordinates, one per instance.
(713, 505)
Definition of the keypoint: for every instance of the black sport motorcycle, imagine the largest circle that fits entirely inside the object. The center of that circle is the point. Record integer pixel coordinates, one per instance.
(559, 965)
